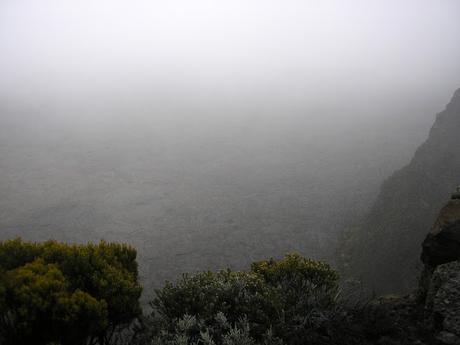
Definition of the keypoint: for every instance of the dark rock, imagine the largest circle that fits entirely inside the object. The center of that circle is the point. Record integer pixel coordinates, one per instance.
(443, 302)
(448, 338)
(442, 247)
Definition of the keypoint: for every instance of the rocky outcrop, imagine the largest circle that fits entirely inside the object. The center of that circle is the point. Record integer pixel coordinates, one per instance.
(440, 284)
(432, 314)
(443, 246)
(433, 320)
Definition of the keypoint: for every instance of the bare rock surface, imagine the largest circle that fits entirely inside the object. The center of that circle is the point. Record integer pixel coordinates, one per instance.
(443, 302)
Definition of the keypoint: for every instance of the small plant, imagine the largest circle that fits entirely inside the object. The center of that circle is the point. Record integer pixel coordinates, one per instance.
(192, 331)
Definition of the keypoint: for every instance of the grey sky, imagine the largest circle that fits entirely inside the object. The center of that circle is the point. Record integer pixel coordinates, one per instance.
(202, 51)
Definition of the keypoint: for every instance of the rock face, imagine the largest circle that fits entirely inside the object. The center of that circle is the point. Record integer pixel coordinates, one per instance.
(408, 320)
(443, 302)
(443, 246)
(432, 315)
(386, 247)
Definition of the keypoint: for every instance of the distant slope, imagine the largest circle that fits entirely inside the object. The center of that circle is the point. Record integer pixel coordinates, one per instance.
(385, 249)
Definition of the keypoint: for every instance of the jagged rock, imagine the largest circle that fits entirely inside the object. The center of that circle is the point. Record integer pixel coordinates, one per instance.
(443, 302)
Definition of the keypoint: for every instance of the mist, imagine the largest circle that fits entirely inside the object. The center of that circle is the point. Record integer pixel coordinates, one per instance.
(213, 133)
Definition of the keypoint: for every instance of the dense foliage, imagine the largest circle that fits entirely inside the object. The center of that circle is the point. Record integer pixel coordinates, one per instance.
(58, 294)
(206, 294)
(68, 294)
(276, 301)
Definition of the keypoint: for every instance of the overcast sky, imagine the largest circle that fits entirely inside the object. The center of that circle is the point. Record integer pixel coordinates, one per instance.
(234, 51)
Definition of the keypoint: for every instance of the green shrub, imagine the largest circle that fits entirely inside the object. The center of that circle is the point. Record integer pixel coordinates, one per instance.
(68, 294)
(301, 282)
(204, 295)
(307, 291)
(292, 297)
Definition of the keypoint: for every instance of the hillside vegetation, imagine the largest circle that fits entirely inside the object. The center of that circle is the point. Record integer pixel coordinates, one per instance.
(54, 293)
(60, 294)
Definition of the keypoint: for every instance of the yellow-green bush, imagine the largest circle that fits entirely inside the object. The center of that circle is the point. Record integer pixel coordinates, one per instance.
(299, 279)
(68, 294)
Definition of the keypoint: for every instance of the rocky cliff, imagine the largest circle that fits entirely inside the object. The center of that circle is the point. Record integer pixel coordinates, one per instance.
(384, 251)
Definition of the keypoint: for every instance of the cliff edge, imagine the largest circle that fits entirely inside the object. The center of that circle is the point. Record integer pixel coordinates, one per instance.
(384, 250)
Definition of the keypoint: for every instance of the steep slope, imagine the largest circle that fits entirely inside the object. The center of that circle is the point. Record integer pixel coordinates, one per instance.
(385, 249)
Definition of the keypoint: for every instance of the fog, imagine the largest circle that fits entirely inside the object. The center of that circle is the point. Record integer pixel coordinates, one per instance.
(213, 133)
